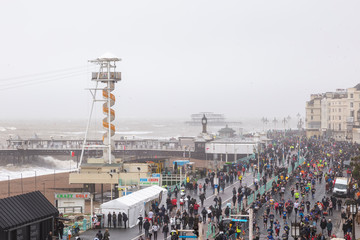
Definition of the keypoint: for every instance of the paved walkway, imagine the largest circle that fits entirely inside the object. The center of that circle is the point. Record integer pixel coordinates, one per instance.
(134, 234)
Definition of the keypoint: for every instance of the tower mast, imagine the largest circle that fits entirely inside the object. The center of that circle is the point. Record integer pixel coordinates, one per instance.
(106, 75)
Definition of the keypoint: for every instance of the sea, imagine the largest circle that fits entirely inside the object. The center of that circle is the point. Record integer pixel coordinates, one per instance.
(131, 128)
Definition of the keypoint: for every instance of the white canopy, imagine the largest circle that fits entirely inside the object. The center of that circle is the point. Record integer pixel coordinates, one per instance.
(135, 203)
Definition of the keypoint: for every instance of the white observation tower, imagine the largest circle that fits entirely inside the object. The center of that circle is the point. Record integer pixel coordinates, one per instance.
(106, 75)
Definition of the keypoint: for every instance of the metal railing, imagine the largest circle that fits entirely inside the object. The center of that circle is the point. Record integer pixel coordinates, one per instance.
(72, 208)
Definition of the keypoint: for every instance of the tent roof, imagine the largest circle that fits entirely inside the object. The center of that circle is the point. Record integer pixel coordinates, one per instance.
(127, 201)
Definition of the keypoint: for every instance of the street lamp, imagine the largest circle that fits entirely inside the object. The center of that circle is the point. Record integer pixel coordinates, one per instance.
(139, 177)
(353, 210)
(295, 229)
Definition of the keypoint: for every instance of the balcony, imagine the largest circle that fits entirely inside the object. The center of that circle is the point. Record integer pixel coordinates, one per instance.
(104, 76)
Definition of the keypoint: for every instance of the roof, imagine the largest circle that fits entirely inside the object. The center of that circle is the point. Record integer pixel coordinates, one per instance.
(226, 130)
(138, 197)
(25, 208)
(357, 86)
(109, 56)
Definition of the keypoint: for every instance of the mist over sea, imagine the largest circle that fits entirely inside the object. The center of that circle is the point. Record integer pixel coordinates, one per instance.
(75, 129)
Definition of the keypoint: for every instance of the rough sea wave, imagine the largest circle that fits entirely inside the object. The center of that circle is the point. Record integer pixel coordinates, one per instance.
(40, 166)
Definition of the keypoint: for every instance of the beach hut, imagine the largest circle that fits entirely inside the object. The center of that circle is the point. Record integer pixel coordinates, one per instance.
(135, 204)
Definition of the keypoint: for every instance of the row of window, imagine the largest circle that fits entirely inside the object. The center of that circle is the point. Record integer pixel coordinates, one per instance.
(333, 126)
(338, 103)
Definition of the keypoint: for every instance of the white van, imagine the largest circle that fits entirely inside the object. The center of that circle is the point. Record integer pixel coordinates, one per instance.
(341, 187)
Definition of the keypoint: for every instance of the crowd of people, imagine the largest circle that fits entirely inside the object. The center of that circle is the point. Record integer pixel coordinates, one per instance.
(324, 161)
(304, 169)
(185, 208)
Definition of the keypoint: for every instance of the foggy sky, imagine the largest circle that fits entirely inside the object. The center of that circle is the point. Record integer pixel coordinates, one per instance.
(240, 58)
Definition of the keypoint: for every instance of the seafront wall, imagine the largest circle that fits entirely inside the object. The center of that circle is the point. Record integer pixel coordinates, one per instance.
(46, 184)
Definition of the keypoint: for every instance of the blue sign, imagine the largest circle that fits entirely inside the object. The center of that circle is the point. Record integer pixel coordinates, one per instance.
(181, 162)
(155, 175)
(239, 220)
(187, 236)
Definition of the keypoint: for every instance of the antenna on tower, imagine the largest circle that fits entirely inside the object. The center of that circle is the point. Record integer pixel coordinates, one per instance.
(107, 76)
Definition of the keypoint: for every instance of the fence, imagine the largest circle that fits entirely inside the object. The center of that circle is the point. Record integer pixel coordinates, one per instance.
(261, 190)
(268, 185)
(246, 159)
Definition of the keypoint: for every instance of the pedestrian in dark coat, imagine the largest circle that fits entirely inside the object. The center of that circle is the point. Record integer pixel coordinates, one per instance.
(114, 219)
(119, 219)
(329, 227)
(125, 218)
(109, 220)
(323, 225)
(146, 228)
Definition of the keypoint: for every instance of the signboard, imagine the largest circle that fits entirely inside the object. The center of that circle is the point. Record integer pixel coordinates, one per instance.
(181, 162)
(72, 195)
(149, 181)
(239, 220)
(155, 175)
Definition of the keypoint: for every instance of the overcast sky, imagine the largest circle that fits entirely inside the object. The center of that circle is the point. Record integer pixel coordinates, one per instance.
(240, 58)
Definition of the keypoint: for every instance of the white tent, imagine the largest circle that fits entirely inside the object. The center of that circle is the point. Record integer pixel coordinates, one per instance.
(135, 204)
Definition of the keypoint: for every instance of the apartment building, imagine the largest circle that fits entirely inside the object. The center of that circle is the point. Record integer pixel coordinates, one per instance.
(313, 115)
(334, 114)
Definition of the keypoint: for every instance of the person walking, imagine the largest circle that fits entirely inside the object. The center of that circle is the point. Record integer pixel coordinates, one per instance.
(106, 235)
(140, 219)
(155, 229)
(146, 227)
(165, 230)
(329, 227)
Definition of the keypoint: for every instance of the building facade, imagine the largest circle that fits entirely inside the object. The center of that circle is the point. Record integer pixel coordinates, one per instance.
(313, 115)
(334, 114)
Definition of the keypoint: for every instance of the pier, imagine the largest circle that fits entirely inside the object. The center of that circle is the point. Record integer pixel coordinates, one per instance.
(20, 151)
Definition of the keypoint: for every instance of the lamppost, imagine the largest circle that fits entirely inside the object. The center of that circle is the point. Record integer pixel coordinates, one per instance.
(353, 210)
(295, 229)
(138, 168)
(124, 149)
(258, 167)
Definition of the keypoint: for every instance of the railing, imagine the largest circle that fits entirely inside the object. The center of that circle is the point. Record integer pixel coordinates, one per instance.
(73, 209)
(70, 147)
(246, 159)
(268, 186)
(172, 179)
(113, 75)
